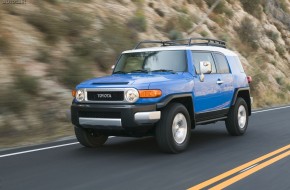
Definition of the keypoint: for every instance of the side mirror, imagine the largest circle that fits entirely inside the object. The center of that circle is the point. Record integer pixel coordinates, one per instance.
(205, 68)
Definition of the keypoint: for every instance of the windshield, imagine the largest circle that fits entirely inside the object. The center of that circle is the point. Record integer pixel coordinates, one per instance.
(154, 61)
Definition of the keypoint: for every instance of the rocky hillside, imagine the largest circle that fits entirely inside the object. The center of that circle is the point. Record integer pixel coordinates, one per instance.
(47, 47)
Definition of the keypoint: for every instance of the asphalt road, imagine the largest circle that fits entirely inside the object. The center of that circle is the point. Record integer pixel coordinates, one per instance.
(129, 163)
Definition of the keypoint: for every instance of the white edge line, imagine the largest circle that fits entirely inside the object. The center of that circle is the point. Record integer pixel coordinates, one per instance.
(69, 144)
(38, 149)
(272, 109)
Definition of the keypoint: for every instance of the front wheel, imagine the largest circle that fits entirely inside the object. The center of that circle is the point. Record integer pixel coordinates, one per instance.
(237, 121)
(174, 129)
(90, 138)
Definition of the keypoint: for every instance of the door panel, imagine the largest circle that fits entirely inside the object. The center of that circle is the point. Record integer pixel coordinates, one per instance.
(226, 89)
(208, 95)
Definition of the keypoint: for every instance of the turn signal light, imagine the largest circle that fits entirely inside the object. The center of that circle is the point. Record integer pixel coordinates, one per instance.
(73, 93)
(149, 93)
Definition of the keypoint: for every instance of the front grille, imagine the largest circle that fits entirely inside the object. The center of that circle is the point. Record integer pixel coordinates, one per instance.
(106, 96)
(88, 114)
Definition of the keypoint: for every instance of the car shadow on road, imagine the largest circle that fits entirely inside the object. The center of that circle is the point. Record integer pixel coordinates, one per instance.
(203, 137)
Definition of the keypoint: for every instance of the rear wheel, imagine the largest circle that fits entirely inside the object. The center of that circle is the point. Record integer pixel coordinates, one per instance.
(237, 121)
(174, 129)
(90, 138)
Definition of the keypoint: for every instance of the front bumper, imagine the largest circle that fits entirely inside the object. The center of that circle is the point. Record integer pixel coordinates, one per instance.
(114, 117)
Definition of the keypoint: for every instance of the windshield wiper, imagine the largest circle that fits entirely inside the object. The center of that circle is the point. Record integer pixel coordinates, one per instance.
(139, 71)
(163, 70)
(119, 72)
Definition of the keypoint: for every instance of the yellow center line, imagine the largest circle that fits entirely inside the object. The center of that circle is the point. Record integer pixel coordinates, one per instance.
(249, 172)
(237, 169)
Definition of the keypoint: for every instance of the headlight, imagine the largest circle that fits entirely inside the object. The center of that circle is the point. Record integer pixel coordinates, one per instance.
(131, 95)
(80, 95)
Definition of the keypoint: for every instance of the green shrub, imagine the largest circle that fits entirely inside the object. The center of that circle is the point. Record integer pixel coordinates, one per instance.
(48, 23)
(258, 77)
(138, 22)
(220, 20)
(288, 87)
(175, 35)
(204, 33)
(199, 3)
(248, 33)
(76, 22)
(254, 7)
(117, 37)
(43, 56)
(272, 35)
(74, 71)
(159, 12)
(280, 81)
(28, 84)
(13, 100)
(273, 63)
(185, 23)
(181, 23)
(220, 8)
(54, 26)
(4, 45)
(280, 49)
(182, 9)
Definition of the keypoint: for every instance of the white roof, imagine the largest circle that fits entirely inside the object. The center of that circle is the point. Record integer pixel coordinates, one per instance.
(225, 51)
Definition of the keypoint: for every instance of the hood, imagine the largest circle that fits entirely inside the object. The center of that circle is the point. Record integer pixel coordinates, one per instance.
(135, 79)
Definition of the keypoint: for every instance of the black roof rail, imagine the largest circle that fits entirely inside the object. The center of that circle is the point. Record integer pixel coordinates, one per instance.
(210, 42)
(148, 42)
(187, 42)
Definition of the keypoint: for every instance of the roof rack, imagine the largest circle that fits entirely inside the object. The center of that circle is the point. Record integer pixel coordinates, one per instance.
(187, 42)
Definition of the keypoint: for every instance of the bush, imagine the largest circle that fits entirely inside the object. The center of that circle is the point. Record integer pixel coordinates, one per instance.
(28, 84)
(43, 56)
(74, 71)
(54, 26)
(204, 33)
(175, 35)
(248, 33)
(280, 81)
(4, 45)
(138, 22)
(76, 22)
(199, 3)
(13, 100)
(159, 12)
(48, 23)
(280, 49)
(254, 7)
(116, 37)
(182, 23)
(272, 35)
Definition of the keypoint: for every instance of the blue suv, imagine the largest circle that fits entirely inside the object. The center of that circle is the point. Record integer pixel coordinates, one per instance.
(165, 92)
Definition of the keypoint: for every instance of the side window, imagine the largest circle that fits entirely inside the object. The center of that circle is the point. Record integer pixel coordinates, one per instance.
(197, 57)
(238, 62)
(222, 63)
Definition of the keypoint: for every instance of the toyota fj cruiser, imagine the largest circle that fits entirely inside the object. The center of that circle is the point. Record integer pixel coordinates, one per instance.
(165, 92)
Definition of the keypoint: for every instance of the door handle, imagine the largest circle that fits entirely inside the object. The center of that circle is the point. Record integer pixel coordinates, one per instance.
(219, 82)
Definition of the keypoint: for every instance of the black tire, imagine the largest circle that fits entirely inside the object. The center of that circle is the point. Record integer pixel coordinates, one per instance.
(164, 128)
(232, 122)
(89, 138)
